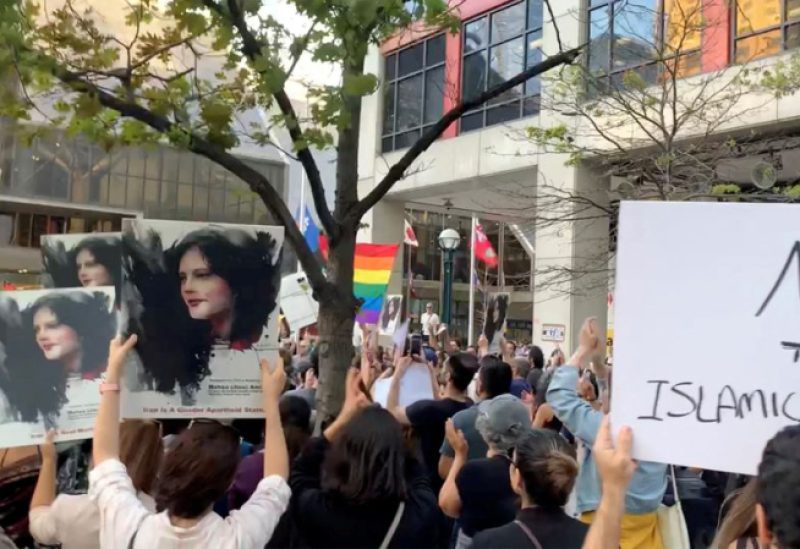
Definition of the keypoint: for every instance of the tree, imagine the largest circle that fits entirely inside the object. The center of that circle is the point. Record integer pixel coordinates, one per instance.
(657, 122)
(154, 86)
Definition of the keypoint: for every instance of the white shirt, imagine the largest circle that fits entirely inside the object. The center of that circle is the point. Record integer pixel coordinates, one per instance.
(73, 521)
(122, 516)
(431, 319)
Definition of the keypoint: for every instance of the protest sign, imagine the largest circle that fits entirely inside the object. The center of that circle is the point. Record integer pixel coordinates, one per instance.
(494, 324)
(390, 314)
(82, 260)
(53, 353)
(706, 361)
(415, 385)
(203, 300)
(298, 306)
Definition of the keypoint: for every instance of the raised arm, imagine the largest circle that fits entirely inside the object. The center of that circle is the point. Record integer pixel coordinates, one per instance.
(45, 492)
(449, 498)
(616, 470)
(581, 419)
(393, 399)
(106, 426)
(276, 457)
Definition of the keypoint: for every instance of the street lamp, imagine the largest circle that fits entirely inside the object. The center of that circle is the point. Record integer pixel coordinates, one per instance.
(448, 242)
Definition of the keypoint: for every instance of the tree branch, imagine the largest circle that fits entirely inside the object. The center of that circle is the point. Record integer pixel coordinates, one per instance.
(251, 48)
(257, 182)
(396, 172)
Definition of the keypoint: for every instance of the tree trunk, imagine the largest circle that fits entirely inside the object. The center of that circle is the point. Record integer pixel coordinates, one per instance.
(337, 310)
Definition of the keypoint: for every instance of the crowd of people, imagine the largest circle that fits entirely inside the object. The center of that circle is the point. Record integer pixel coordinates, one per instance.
(510, 452)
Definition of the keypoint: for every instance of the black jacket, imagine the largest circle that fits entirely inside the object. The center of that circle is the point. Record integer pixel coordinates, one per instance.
(324, 519)
(553, 528)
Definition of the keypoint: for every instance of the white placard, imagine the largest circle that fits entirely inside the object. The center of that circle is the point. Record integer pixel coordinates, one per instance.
(706, 326)
(415, 386)
(203, 299)
(390, 314)
(297, 305)
(53, 354)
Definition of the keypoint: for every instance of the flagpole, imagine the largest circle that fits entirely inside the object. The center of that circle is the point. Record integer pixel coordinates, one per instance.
(471, 328)
(407, 251)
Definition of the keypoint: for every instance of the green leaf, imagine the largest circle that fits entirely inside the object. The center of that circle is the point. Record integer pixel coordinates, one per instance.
(360, 85)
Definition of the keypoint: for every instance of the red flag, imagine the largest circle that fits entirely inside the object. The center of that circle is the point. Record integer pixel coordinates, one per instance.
(410, 238)
(8, 286)
(323, 246)
(483, 248)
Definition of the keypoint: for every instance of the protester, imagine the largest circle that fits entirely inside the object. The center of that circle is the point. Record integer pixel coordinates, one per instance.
(73, 521)
(543, 472)
(520, 387)
(296, 421)
(739, 529)
(359, 486)
(494, 379)
(640, 523)
(778, 491)
(308, 374)
(430, 321)
(536, 359)
(193, 475)
(479, 493)
(428, 417)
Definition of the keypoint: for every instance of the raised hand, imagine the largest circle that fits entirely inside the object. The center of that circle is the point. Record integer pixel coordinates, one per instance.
(273, 379)
(456, 438)
(614, 463)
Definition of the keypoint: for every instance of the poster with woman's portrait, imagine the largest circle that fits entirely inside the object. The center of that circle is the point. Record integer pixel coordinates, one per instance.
(390, 314)
(53, 353)
(202, 299)
(85, 260)
(494, 325)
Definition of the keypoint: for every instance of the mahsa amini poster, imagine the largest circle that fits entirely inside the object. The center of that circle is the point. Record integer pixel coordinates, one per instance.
(202, 299)
(53, 353)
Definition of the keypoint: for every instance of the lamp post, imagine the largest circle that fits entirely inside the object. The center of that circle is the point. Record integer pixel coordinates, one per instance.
(448, 242)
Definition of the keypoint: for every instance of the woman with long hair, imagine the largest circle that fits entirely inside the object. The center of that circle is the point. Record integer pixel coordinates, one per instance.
(193, 475)
(738, 528)
(55, 344)
(359, 485)
(542, 471)
(94, 261)
(495, 320)
(73, 521)
(215, 287)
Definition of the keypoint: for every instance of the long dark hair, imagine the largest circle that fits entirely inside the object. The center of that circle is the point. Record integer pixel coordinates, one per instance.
(249, 264)
(386, 317)
(490, 327)
(367, 462)
(36, 386)
(60, 264)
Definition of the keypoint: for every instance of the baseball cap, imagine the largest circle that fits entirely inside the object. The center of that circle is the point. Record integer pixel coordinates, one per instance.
(505, 415)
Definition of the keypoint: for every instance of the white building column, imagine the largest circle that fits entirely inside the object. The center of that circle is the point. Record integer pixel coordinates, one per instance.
(571, 283)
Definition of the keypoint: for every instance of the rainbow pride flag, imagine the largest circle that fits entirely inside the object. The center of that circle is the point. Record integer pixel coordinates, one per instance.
(373, 268)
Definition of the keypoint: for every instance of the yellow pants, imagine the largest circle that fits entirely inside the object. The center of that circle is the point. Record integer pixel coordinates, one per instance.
(638, 531)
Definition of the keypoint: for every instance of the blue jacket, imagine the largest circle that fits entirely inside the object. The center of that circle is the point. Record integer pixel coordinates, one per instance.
(650, 479)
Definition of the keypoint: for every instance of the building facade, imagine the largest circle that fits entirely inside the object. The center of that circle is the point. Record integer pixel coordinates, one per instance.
(487, 164)
(56, 184)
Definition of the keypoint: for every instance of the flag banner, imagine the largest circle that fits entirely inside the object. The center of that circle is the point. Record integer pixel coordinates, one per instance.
(372, 270)
(409, 237)
(310, 231)
(483, 248)
(53, 354)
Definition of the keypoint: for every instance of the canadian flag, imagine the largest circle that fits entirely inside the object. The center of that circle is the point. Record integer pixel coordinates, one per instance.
(483, 248)
(410, 238)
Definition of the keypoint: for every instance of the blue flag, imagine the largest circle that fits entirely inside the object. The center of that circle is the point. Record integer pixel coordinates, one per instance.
(310, 231)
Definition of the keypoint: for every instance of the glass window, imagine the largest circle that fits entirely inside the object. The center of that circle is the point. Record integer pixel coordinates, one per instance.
(763, 29)
(646, 37)
(134, 191)
(499, 46)
(508, 23)
(184, 201)
(200, 206)
(6, 228)
(116, 196)
(413, 96)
